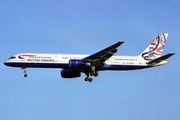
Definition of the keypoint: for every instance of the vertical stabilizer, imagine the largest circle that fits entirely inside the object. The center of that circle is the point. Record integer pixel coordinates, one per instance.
(155, 49)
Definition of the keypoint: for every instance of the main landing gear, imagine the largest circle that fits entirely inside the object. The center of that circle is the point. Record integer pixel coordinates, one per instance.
(91, 74)
(88, 79)
(95, 74)
(24, 71)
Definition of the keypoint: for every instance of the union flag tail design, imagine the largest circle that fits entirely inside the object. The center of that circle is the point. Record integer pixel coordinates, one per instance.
(155, 49)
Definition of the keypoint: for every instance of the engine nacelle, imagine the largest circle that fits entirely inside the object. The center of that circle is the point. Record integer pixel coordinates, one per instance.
(70, 74)
(78, 64)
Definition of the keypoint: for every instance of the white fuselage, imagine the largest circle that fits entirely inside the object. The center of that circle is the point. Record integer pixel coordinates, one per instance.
(75, 64)
(62, 61)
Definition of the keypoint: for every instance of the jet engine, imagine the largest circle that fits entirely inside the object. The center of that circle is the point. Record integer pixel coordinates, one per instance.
(70, 73)
(78, 64)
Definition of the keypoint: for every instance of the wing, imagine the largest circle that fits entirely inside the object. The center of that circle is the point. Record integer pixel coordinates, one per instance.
(101, 56)
(157, 60)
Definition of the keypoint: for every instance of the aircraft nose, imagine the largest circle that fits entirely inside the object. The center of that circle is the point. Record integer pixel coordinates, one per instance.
(6, 63)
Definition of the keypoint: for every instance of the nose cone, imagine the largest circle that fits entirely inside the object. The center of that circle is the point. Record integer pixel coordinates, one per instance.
(6, 63)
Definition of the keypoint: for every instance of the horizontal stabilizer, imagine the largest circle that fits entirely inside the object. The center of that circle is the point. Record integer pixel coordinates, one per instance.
(160, 59)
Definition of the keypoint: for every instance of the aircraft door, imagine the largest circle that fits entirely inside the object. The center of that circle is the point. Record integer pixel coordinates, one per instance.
(140, 61)
(56, 58)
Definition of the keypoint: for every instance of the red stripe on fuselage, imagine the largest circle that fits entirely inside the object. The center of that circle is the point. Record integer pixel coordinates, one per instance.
(28, 55)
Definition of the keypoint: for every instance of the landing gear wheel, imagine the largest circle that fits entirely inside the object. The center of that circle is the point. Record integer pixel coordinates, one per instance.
(86, 79)
(91, 73)
(87, 74)
(90, 79)
(25, 75)
(95, 74)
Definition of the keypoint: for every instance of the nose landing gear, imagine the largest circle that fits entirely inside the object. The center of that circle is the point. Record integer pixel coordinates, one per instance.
(25, 75)
(24, 71)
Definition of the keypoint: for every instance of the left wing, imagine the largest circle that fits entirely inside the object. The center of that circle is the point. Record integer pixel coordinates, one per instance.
(101, 56)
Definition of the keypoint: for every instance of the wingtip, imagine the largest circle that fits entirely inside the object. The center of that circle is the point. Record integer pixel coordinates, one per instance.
(121, 41)
(172, 53)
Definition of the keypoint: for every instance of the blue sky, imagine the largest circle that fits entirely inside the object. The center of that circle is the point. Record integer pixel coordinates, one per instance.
(85, 27)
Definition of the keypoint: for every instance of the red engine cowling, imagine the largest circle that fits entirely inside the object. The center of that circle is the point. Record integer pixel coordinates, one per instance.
(70, 74)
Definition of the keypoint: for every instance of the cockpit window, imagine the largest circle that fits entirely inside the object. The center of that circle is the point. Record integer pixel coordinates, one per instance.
(13, 57)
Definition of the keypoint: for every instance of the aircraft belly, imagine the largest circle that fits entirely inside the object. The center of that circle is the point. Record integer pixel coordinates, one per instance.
(66, 66)
(37, 65)
(123, 67)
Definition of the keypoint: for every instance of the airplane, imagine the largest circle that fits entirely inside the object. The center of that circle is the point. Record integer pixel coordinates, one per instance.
(74, 64)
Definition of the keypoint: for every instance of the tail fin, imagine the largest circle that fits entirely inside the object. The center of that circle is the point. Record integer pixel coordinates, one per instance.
(155, 49)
